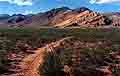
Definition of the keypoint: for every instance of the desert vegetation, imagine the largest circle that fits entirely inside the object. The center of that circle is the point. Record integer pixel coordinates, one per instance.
(94, 45)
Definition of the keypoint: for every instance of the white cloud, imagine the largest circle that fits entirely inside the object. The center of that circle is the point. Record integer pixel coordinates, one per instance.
(27, 12)
(103, 1)
(18, 2)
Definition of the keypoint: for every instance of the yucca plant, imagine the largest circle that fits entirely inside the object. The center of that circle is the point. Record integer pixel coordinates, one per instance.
(52, 64)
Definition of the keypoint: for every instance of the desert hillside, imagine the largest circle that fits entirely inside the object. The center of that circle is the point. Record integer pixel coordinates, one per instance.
(73, 51)
(62, 17)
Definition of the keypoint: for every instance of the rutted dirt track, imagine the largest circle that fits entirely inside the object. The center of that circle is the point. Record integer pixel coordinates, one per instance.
(29, 65)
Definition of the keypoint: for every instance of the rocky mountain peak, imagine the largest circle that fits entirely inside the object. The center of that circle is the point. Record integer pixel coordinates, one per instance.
(82, 9)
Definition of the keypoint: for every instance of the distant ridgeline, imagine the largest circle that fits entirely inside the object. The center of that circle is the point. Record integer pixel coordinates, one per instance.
(63, 17)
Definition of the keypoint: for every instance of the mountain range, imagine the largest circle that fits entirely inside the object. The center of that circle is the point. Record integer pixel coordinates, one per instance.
(60, 17)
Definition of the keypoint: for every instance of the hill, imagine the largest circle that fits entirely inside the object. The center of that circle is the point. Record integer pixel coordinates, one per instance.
(62, 17)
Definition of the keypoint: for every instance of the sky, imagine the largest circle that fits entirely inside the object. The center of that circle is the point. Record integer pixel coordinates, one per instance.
(37, 6)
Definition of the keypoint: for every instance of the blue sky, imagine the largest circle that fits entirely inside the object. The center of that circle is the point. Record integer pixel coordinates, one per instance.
(36, 6)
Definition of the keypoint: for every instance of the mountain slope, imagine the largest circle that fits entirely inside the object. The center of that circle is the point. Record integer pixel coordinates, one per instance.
(46, 18)
(69, 17)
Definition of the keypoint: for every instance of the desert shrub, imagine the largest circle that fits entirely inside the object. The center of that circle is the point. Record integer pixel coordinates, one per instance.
(51, 66)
